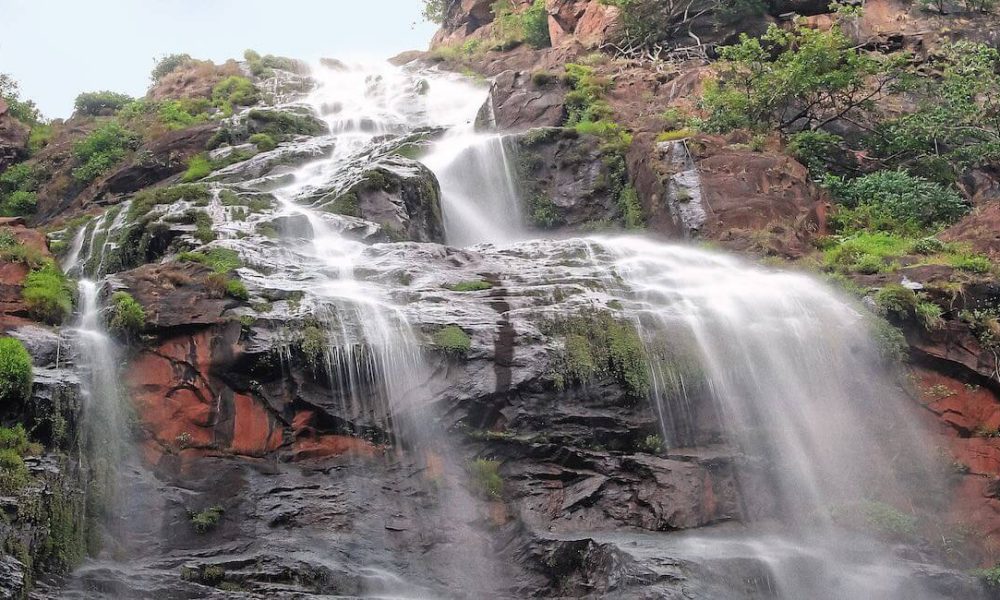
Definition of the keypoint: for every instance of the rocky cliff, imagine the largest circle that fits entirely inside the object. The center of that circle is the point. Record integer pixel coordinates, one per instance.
(280, 449)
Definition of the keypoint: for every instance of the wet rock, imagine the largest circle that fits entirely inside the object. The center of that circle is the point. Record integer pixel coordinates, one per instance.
(400, 195)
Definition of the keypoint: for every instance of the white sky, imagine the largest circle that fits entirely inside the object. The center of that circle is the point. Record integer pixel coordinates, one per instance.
(59, 48)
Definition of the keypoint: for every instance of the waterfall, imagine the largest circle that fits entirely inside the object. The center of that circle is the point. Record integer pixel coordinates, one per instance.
(799, 388)
(105, 414)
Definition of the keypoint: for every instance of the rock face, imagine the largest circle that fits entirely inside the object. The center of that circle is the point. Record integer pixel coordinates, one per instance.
(400, 195)
(517, 103)
(13, 137)
(582, 21)
(569, 181)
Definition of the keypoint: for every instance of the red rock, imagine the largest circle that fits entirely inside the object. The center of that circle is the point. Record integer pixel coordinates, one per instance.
(255, 431)
(324, 446)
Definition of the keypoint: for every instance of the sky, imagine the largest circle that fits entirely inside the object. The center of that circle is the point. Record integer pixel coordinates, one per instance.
(58, 48)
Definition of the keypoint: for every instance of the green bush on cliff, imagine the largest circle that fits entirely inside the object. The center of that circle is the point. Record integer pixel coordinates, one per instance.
(96, 104)
(893, 201)
(48, 295)
(15, 372)
(127, 316)
(101, 150)
(18, 184)
(435, 10)
(206, 520)
(657, 24)
(529, 25)
(169, 63)
(263, 141)
(179, 114)
(13, 471)
(232, 92)
(236, 289)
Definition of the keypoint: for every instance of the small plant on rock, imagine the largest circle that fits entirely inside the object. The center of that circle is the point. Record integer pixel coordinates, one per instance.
(15, 372)
(206, 520)
(485, 477)
(127, 316)
(452, 341)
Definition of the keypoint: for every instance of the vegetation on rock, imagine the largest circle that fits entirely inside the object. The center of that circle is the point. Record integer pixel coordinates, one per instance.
(47, 294)
(127, 318)
(452, 341)
(15, 372)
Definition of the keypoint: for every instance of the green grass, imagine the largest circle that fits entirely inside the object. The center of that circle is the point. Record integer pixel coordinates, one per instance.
(48, 295)
(474, 285)
(199, 167)
(220, 260)
(236, 289)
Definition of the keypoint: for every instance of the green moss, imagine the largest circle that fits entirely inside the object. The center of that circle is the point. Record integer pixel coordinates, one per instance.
(345, 204)
(145, 200)
(314, 346)
(15, 373)
(13, 471)
(473, 285)
(628, 203)
(281, 124)
(485, 477)
(452, 341)
(674, 135)
(128, 318)
(206, 520)
(888, 521)
(48, 295)
(596, 343)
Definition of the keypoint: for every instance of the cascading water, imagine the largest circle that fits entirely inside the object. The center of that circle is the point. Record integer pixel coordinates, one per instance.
(105, 415)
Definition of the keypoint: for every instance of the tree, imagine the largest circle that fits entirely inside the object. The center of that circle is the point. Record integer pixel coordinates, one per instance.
(793, 80)
(435, 11)
(22, 110)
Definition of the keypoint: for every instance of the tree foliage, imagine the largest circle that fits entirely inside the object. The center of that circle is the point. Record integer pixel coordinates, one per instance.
(957, 123)
(100, 103)
(795, 79)
(435, 11)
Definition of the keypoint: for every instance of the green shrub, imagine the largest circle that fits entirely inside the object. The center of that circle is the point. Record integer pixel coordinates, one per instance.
(234, 91)
(263, 141)
(452, 341)
(95, 104)
(435, 10)
(653, 444)
(14, 438)
(674, 135)
(207, 519)
(813, 148)
(203, 227)
(179, 114)
(863, 252)
(530, 25)
(15, 372)
(236, 289)
(100, 151)
(485, 477)
(20, 203)
(990, 577)
(889, 340)
(896, 300)
(199, 167)
(893, 201)
(473, 285)
(47, 294)
(168, 64)
(972, 263)
(889, 521)
(929, 315)
(13, 471)
(127, 316)
(279, 124)
(628, 203)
